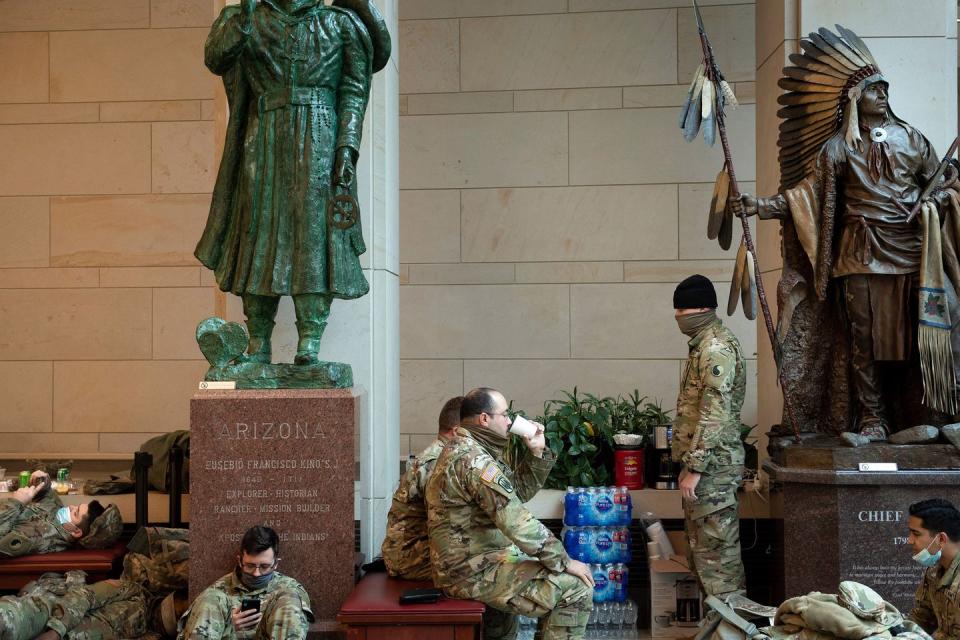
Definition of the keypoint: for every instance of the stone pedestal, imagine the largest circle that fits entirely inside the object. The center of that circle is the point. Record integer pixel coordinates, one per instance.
(284, 459)
(842, 524)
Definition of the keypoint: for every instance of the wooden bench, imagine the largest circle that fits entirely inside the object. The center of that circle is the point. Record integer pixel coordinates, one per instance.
(99, 564)
(373, 612)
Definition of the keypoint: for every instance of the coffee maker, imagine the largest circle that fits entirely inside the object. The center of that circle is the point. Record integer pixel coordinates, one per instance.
(666, 469)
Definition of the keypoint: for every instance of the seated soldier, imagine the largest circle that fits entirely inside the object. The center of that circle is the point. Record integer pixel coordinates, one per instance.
(34, 520)
(406, 548)
(935, 538)
(148, 597)
(282, 606)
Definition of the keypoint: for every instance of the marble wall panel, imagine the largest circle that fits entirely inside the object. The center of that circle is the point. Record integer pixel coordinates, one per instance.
(638, 322)
(75, 324)
(176, 314)
(431, 56)
(26, 392)
(569, 99)
(668, 95)
(56, 15)
(124, 397)
(673, 271)
(694, 210)
(45, 443)
(25, 241)
(75, 159)
(469, 102)
(880, 18)
(483, 150)
(127, 231)
(430, 226)
(122, 65)
(48, 113)
(733, 25)
(183, 157)
(625, 5)
(570, 223)
(25, 72)
(420, 9)
(166, 14)
(158, 111)
(485, 321)
(425, 385)
(123, 442)
(151, 276)
(47, 278)
(489, 273)
(529, 383)
(560, 272)
(615, 147)
(562, 51)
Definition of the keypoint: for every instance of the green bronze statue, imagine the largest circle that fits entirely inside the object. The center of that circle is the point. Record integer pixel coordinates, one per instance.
(284, 219)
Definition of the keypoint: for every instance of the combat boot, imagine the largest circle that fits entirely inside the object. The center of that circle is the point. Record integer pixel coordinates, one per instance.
(312, 311)
(261, 312)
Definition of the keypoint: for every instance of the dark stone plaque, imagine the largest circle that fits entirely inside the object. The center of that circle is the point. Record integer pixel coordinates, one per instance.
(284, 459)
(846, 525)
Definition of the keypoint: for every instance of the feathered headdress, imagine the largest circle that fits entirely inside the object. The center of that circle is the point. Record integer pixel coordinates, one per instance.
(822, 93)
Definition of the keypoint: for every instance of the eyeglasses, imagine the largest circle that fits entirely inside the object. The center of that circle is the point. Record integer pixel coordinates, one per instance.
(264, 568)
(494, 415)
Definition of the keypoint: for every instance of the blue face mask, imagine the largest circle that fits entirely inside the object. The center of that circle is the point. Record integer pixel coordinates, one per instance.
(63, 515)
(927, 559)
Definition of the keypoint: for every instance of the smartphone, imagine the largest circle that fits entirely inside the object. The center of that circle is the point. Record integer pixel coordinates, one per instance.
(250, 604)
(420, 596)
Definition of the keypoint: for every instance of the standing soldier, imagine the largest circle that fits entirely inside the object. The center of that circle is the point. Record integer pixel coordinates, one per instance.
(406, 548)
(706, 439)
(485, 545)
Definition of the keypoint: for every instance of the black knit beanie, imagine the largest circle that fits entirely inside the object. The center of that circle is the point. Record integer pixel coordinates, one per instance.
(696, 292)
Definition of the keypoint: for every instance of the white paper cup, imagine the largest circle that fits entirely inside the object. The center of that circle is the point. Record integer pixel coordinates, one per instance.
(523, 427)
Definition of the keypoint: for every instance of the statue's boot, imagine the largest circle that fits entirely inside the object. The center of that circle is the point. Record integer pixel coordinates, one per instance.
(261, 313)
(312, 310)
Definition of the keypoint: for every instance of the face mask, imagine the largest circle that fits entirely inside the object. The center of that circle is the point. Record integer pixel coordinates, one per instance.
(693, 323)
(255, 582)
(927, 559)
(63, 515)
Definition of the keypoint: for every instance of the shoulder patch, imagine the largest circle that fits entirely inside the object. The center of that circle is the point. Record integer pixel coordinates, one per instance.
(493, 476)
(490, 472)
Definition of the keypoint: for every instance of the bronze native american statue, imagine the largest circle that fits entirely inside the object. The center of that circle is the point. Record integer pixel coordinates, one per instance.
(868, 309)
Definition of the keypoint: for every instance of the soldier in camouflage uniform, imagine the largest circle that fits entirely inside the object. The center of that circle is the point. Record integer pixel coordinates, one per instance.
(284, 604)
(706, 439)
(34, 520)
(63, 606)
(485, 545)
(935, 524)
(406, 548)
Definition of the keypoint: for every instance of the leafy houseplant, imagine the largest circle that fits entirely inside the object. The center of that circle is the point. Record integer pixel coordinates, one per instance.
(579, 431)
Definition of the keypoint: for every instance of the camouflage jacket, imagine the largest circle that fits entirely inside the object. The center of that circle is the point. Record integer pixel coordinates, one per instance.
(406, 548)
(706, 431)
(234, 590)
(475, 512)
(120, 605)
(937, 607)
(32, 528)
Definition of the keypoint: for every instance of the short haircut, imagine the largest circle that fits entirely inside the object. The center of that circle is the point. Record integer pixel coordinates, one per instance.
(477, 401)
(938, 516)
(450, 414)
(258, 539)
(94, 511)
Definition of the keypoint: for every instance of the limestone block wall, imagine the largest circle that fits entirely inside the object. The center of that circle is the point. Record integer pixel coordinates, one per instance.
(106, 169)
(548, 203)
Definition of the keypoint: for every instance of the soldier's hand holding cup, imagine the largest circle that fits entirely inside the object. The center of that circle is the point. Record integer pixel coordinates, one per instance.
(532, 434)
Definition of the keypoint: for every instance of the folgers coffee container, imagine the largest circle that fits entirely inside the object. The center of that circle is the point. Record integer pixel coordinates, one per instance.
(628, 466)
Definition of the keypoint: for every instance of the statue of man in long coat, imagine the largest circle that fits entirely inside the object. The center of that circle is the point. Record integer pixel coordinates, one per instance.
(284, 219)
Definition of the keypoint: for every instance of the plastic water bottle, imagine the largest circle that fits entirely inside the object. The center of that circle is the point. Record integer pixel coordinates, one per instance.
(590, 513)
(603, 512)
(624, 502)
(570, 507)
(583, 506)
(603, 546)
(601, 589)
(621, 579)
(571, 541)
(622, 545)
(583, 547)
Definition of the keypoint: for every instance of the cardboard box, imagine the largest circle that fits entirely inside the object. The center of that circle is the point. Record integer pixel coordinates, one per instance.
(666, 575)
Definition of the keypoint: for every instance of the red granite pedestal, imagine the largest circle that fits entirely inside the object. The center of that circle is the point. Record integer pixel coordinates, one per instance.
(280, 458)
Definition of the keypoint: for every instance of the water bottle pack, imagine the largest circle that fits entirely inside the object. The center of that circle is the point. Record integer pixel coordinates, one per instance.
(597, 507)
(610, 582)
(598, 545)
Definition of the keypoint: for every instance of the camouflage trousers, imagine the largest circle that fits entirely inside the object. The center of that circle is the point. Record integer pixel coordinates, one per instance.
(561, 601)
(713, 540)
(209, 618)
(23, 618)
